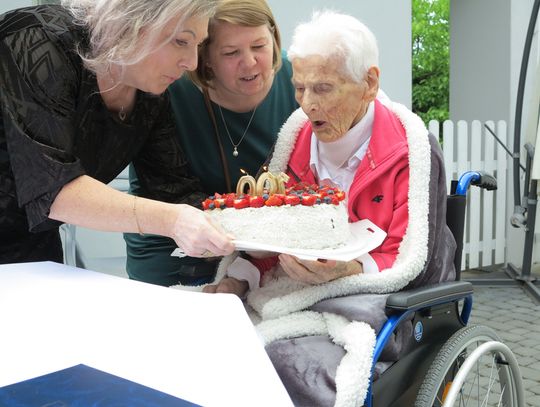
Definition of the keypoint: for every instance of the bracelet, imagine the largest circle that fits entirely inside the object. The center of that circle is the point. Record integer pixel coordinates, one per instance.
(135, 215)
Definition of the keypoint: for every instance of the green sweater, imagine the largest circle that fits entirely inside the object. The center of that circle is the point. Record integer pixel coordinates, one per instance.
(148, 256)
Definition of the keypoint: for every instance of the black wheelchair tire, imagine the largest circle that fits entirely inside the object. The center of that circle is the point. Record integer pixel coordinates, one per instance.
(446, 364)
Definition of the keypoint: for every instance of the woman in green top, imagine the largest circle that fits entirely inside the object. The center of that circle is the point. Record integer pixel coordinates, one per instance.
(228, 116)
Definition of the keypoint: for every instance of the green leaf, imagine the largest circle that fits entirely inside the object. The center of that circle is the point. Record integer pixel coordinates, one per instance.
(430, 58)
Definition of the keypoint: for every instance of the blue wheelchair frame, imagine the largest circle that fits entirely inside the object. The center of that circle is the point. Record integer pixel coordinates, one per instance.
(403, 305)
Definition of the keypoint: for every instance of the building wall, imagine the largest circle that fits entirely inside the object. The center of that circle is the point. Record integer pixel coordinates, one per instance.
(486, 48)
(6, 5)
(479, 59)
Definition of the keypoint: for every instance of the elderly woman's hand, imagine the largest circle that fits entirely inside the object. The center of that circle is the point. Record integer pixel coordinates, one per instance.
(317, 272)
(196, 234)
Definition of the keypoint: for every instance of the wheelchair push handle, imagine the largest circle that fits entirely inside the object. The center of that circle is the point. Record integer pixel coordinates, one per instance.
(477, 178)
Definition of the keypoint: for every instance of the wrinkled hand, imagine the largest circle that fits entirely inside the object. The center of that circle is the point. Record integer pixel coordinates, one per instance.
(196, 234)
(317, 272)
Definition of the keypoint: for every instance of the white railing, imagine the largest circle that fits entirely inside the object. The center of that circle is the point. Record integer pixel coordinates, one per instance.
(471, 146)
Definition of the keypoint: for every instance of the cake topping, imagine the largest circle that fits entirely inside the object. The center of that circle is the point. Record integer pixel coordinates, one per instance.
(298, 194)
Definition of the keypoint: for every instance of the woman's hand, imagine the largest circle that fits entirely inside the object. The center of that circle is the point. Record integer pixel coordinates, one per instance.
(320, 271)
(196, 234)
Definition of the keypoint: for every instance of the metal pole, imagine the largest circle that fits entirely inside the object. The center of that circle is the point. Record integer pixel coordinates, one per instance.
(529, 234)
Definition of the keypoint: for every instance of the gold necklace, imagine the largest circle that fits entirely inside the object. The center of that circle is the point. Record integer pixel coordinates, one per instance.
(235, 146)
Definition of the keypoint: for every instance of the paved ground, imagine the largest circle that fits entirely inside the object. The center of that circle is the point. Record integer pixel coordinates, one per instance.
(516, 318)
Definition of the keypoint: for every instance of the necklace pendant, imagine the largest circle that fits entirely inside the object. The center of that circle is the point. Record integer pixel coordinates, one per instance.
(235, 145)
(122, 114)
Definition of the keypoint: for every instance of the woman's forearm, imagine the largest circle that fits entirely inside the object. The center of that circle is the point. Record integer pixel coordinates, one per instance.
(92, 204)
(89, 203)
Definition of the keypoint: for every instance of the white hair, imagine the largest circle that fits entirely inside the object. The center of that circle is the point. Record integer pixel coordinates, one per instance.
(115, 27)
(331, 34)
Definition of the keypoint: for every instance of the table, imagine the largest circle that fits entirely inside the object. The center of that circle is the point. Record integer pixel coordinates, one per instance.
(200, 347)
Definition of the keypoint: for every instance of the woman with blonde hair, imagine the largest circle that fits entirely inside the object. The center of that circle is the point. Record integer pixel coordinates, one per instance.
(233, 106)
(84, 92)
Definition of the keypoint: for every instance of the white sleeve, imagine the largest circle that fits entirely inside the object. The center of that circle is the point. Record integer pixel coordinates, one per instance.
(369, 265)
(244, 270)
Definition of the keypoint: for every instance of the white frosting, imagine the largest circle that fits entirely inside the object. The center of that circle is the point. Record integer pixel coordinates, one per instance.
(323, 226)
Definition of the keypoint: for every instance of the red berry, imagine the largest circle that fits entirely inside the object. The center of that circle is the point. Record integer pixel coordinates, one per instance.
(292, 200)
(309, 200)
(256, 201)
(340, 195)
(241, 203)
(206, 203)
(219, 203)
(229, 200)
(273, 201)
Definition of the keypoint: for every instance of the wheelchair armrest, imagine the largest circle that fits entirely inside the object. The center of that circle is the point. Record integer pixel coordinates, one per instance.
(428, 296)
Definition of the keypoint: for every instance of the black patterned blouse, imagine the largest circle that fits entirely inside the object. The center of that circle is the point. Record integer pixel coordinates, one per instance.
(54, 127)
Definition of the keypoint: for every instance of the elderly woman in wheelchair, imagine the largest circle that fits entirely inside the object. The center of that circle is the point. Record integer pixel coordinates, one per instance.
(321, 337)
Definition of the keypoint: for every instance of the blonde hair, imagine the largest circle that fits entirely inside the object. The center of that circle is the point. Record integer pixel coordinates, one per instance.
(115, 27)
(245, 13)
(333, 34)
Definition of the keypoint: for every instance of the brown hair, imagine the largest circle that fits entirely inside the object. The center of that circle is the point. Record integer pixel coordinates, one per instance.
(246, 13)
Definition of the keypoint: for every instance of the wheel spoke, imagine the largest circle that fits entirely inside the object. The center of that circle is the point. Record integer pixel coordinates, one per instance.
(472, 369)
(491, 381)
(472, 387)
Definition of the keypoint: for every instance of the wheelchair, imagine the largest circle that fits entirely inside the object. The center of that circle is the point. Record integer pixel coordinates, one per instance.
(447, 363)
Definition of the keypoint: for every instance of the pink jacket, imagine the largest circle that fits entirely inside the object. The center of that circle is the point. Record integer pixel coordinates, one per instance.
(380, 187)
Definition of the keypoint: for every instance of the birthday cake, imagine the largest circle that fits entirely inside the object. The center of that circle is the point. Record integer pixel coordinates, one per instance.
(302, 216)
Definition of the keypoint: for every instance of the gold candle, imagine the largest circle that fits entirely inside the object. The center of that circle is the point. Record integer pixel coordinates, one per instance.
(243, 181)
(281, 180)
(266, 182)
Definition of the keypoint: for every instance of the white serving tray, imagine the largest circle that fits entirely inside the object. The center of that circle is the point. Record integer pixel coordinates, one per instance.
(366, 236)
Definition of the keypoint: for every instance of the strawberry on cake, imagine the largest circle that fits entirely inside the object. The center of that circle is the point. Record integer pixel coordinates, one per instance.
(302, 216)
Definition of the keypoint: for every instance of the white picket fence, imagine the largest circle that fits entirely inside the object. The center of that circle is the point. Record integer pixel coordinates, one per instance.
(470, 146)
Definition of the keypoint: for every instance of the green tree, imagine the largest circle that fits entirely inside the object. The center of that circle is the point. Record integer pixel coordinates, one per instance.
(430, 59)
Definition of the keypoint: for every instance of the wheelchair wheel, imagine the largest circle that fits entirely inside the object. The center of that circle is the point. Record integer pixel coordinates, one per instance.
(491, 376)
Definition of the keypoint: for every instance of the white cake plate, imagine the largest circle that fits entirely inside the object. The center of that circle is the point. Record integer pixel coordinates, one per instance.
(366, 236)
